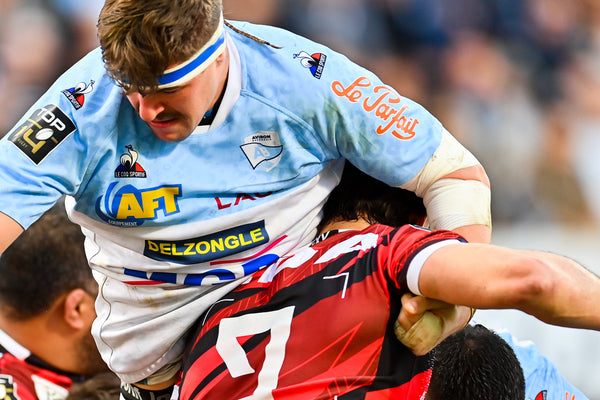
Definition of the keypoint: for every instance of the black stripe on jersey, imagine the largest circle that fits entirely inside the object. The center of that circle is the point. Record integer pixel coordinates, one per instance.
(312, 284)
(392, 348)
(393, 352)
(250, 344)
(397, 362)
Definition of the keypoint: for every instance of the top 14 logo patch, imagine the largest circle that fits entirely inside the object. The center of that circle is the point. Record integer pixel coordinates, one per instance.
(42, 132)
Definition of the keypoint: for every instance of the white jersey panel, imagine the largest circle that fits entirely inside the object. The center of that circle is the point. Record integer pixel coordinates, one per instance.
(174, 219)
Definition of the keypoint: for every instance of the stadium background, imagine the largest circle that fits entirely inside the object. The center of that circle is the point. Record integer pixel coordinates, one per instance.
(517, 81)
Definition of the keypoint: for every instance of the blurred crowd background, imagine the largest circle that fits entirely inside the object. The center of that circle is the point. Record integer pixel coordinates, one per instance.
(516, 81)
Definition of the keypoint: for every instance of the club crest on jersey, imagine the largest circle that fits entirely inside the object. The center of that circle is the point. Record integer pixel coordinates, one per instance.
(7, 388)
(129, 167)
(263, 148)
(76, 95)
(314, 62)
(42, 132)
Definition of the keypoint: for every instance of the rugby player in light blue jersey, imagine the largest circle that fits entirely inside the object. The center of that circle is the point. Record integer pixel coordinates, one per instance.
(195, 151)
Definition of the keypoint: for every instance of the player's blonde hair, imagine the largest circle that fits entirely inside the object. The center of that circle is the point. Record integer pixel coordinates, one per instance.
(141, 39)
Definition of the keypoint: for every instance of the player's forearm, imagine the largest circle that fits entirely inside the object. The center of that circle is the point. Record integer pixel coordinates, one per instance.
(569, 294)
(552, 288)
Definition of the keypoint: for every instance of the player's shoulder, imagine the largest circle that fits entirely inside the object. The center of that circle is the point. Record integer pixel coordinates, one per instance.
(291, 60)
(415, 237)
(86, 88)
(83, 99)
(273, 35)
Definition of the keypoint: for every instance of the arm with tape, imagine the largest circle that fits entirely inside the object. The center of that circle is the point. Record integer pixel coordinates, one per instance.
(456, 193)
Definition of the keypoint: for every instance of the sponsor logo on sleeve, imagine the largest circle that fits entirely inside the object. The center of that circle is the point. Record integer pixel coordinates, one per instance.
(314, 62)
(76, 94)
(42, 132)
(381, 101)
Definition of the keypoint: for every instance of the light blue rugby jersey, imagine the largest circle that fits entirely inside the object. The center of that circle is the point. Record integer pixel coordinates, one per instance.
(543, 381)
(229, 199)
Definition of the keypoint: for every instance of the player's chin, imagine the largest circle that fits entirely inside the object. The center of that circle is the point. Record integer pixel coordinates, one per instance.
(173, 132)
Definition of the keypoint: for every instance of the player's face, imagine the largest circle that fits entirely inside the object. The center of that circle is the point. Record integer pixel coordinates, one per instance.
(174, 113)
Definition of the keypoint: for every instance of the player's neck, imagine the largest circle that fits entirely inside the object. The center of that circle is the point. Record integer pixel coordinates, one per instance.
(54, 346)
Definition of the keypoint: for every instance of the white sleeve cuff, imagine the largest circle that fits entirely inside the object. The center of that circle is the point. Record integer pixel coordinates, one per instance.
(415, 266)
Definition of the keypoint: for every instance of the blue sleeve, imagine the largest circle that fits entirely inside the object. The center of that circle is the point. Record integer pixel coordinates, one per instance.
(373, 126)
(543, 381)
(46, 155)
(354, 114)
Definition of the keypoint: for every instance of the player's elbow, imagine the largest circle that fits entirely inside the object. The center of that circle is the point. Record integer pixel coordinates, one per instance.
(471, 173)
(533, 282)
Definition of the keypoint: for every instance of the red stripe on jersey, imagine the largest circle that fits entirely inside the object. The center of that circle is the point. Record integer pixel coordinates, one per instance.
(413, 390)
(340, 336)
(20, 374)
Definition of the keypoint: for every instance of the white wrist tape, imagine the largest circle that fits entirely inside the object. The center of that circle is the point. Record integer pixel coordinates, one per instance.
(423, 336)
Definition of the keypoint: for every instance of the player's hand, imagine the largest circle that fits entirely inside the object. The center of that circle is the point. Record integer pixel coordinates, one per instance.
(424, 322)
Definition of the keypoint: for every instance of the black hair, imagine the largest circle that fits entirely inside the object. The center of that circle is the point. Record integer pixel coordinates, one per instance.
(476, 364)
(359, 195)
(45, 262)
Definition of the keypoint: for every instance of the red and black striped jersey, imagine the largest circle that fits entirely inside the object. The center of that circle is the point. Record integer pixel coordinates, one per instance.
(23, 376)
(315, 325)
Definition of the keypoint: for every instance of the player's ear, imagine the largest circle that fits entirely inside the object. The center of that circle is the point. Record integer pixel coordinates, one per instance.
(221, 57)
(79, 308)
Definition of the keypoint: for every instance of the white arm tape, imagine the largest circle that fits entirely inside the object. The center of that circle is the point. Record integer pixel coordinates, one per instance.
(452, 203)
(415, 266)
(450, 156)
